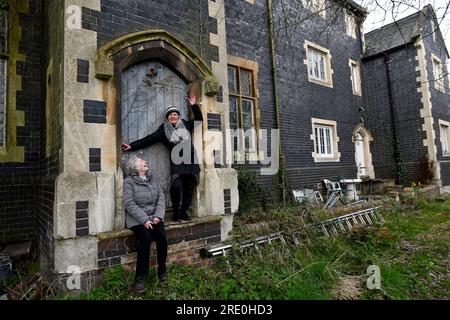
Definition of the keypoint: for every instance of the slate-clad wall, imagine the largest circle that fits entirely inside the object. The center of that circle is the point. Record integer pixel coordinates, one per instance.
(300, 100)
(18, 179)
(187, 20)
(406, 104)
(440, 100)
(378, 116)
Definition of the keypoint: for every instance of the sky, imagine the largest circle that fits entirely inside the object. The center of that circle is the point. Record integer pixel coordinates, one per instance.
(382, 12)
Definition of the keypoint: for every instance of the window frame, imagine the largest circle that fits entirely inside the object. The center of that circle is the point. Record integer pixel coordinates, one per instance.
(310, 46)
(241, 64)
(433, 30)
(316, 8)
(444, 126)
(438, 73)
(355, 78)
(331, 125)
(350, 22)
(326, 141)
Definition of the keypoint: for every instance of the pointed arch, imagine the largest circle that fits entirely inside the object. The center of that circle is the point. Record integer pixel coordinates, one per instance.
(361, 132)
(130, 49)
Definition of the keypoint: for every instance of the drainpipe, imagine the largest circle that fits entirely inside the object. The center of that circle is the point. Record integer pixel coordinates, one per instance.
(397, 159)
(282, 171)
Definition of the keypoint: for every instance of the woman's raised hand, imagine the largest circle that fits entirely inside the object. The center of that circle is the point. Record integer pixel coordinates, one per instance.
(192, 99)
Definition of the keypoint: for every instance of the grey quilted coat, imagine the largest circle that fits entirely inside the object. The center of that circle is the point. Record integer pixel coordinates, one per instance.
(143, 200)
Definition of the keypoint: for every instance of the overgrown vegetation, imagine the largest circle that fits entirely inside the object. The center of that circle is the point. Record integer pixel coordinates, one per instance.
(411, 250)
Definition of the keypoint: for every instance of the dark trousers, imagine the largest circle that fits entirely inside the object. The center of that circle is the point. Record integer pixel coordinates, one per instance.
(184, 183)
(145, 237)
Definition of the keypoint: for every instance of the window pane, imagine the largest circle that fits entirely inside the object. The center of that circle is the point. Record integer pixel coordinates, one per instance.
(328, 137)
(316, 133)
(444, 139)
(322, 141)
(318, 65)
(322, 68)
(247, 114)
(232, 79)
(234, 115)
(310, 62)
(246, 83)
(354, 80)
(3, 31)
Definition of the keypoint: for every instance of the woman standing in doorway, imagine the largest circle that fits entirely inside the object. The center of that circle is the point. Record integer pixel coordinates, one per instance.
(184, 174)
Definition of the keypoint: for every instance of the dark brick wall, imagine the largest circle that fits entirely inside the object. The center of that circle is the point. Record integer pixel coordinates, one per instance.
(18, 181)
(45, 198)
(186, 239)
(440, 100)
(187, 20)
(17, 209)
(445, 173)
(52, 37)
(28, 189)
(300, 100)
(407, 105)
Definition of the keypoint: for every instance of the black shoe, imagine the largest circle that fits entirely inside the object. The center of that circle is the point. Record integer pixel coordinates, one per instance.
(162, 276)
(185, 216)
(139, 286)
(176, 216)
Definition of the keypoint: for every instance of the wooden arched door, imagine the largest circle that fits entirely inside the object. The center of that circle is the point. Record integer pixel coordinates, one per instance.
(147, 90)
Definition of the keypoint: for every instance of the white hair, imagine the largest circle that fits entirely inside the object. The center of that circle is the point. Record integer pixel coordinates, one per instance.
(130, 165)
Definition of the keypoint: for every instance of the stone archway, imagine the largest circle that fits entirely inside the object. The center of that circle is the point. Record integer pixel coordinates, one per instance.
(131, 52)
(363, 156)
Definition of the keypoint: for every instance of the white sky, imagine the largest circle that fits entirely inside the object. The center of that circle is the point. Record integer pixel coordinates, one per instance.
(382, 12)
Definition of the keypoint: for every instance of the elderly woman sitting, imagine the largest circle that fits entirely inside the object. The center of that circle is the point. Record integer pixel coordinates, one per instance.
(145, 208)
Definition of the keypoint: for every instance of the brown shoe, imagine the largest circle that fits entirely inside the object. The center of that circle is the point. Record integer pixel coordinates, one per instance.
(139, 286)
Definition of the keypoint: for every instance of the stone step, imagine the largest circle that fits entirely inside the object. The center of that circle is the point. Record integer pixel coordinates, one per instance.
(18, 250)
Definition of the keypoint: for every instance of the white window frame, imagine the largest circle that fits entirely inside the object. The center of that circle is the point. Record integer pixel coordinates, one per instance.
(315, 6)
(438, 73)
(324, 141)
(350, 24)
(444, 126)
(330, 126)
(355, 77)
(314, 49)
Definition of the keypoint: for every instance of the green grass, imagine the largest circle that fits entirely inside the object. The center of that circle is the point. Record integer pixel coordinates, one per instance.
(411, 250)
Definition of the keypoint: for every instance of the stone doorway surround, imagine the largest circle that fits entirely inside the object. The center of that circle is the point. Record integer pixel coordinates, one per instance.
(88, 201)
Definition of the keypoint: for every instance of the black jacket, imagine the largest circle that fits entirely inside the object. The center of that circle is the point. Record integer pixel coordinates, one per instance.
(160, 136)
